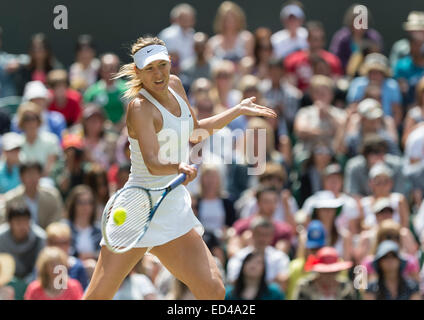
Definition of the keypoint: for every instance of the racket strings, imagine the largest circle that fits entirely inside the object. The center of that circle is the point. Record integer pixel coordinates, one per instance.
(137, 205)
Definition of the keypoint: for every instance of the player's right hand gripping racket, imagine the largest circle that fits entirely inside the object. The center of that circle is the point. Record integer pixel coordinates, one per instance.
(127, 215)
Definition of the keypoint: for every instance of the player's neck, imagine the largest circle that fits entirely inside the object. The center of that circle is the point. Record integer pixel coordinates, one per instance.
(163, 96)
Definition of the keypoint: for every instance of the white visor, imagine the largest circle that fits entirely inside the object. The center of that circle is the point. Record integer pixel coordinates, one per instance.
(149, 54)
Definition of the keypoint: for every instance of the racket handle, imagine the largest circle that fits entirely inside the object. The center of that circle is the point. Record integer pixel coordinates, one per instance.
(180, 178)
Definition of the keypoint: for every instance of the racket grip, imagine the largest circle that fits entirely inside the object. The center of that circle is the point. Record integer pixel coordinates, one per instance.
(180, 178)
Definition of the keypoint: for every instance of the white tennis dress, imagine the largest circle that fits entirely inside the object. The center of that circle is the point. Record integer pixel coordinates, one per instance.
(174, 217)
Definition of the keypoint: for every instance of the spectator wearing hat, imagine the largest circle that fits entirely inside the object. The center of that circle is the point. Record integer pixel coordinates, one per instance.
(44, 203)
(376, 70)
(51, 121)
(349, 39)
(310, 241)
(84, 71)
(388, 229)
(251, 284)
(381, 185)
(321, 121)
(276, 261)
(7, 270)
(413, 25)
(293, 36)
(299, 63)
(325, 282)
(69, 172)
(391, 284)
(39, 146)
(374, 149)
(22, 239)
(9, 164)
(267, 198)
(371, 121)
(332, 182)
(326, 208)
(64, 100)
(108, 92)
(410, 69)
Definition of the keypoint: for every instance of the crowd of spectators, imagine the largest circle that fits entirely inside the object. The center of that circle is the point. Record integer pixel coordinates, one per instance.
(341, 198)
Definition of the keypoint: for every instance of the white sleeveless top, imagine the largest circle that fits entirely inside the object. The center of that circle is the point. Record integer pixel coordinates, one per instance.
(174, 217)
(173, 140)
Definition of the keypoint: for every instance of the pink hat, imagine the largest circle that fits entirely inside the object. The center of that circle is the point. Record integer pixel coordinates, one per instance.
(326, 261)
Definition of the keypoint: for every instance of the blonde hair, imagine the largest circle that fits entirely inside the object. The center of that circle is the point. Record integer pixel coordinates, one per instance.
(134, 84)
(28, 107)
(56, 77)
(210, 168)
(225, 8)
(321, 80)
(273, 169)
(248, 81)
(226, 66)
(58, 230)
(47, 256)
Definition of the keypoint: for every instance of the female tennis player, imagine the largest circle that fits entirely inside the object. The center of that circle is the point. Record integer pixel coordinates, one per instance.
(159, 103)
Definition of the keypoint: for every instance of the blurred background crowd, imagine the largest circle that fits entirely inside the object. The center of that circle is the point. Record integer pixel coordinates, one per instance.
(338, 212)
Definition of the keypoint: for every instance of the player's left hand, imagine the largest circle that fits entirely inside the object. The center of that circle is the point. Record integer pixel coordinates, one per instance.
(248, 107)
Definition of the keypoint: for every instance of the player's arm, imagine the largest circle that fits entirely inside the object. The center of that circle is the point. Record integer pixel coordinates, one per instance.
(216, 122)
(141, 122)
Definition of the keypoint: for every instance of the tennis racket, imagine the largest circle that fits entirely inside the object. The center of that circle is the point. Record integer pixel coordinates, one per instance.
(128, 213)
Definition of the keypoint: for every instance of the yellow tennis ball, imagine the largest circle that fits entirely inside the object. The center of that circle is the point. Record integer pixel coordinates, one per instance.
(119, 216)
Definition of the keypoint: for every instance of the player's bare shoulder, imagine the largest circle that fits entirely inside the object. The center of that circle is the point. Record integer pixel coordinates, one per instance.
(139, 110)
(139, 105)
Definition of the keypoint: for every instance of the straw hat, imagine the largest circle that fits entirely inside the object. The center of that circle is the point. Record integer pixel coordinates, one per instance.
(7, 268)
(415, 21)
(376, 61)
(370, 109)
